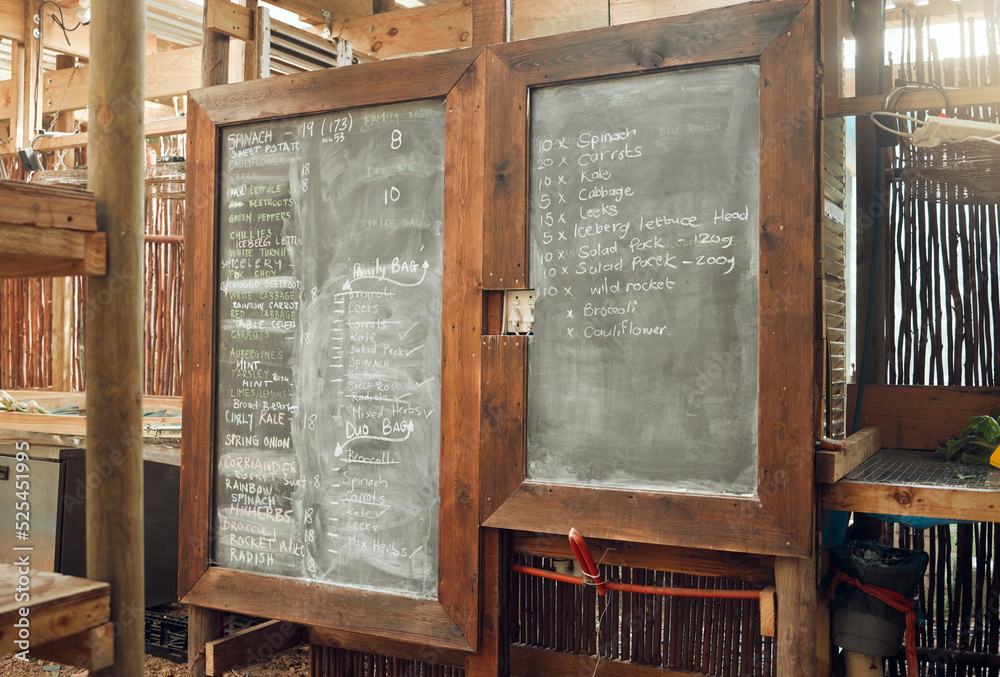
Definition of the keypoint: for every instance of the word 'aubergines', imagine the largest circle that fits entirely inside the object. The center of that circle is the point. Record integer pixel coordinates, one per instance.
(329, 347)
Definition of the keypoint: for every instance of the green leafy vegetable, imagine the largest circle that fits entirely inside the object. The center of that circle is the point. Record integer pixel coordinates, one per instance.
(976, 443)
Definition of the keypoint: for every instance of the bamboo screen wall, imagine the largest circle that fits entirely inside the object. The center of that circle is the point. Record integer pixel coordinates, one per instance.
(945, 253)
(943, 330)
(664, 635)
(26, 307)
(705, 636)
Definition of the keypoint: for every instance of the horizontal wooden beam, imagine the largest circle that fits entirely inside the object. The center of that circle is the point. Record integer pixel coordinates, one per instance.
(58, 606)
(630, 11)
(913, 501)
(91, 649)
(47, 206)
(340, 10)
(432, 28)
(921, 99)
(20, 241)
(153, 128)
(356, 641)
(63, 425)
(251, 645)
(168, 74)
(52, 399)
(529, 661)
(228, 18)
(831, 465)
(753, 568)
(920, 417)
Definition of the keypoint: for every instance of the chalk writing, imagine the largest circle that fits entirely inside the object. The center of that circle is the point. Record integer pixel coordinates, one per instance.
(641, 257)
(329, 298)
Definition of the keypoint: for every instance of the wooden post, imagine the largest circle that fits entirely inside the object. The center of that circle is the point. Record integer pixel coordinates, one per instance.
(204, 625)
(62, 287)
(489, 22)
(116, 159)
(214, 55)
(795, 580)
(29, 91)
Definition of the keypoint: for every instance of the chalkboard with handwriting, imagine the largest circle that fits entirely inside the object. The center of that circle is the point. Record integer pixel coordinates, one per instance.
(329, 347)
(644, 257)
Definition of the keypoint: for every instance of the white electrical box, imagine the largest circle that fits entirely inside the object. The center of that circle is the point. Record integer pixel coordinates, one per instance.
(519, 311)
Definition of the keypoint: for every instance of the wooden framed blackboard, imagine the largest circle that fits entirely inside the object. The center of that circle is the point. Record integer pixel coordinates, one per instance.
(663, 196)
(332, 292)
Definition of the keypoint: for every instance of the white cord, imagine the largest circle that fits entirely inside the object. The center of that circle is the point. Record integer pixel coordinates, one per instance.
(898, 116)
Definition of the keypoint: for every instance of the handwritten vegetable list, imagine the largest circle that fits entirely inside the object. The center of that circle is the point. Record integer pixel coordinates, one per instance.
(643, 204)
(329, 346)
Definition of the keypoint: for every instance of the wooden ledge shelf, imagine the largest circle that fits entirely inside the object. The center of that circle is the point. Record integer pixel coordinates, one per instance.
(165, 428)
(49, 231)
(917, 483)
(68, 617)
(831, 465)
(905, 476)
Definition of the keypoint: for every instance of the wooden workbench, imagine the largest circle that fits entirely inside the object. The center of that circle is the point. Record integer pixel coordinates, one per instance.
(49, 231)
(67, 617)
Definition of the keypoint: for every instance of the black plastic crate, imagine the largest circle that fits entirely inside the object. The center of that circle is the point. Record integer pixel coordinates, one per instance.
(166, 636)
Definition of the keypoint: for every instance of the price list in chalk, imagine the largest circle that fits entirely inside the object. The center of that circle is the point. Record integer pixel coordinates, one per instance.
(329, 347)
(371, 351)
(643, 255)
(258, 306)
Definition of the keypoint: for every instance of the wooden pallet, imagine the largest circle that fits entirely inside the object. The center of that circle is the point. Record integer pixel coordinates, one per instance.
(49, 231)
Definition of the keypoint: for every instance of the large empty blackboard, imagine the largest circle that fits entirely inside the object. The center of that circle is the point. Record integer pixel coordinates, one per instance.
(329, 347)
(643, 208)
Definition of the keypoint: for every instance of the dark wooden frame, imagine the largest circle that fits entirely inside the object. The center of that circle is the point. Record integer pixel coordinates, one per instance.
(779, 520)
(450, 622)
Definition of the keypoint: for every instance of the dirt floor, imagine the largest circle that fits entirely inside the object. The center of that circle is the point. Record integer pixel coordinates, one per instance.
(292, 663)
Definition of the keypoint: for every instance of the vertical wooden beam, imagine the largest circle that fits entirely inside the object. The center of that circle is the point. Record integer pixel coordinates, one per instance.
(62, 287)
(868, 33)
(795, 580)
(30, 89)
(214, 54)
(204, 625)
(116, 160)
(251, 57)
(831, 46)
(489, 22)
(491, 659)
(824, 644)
